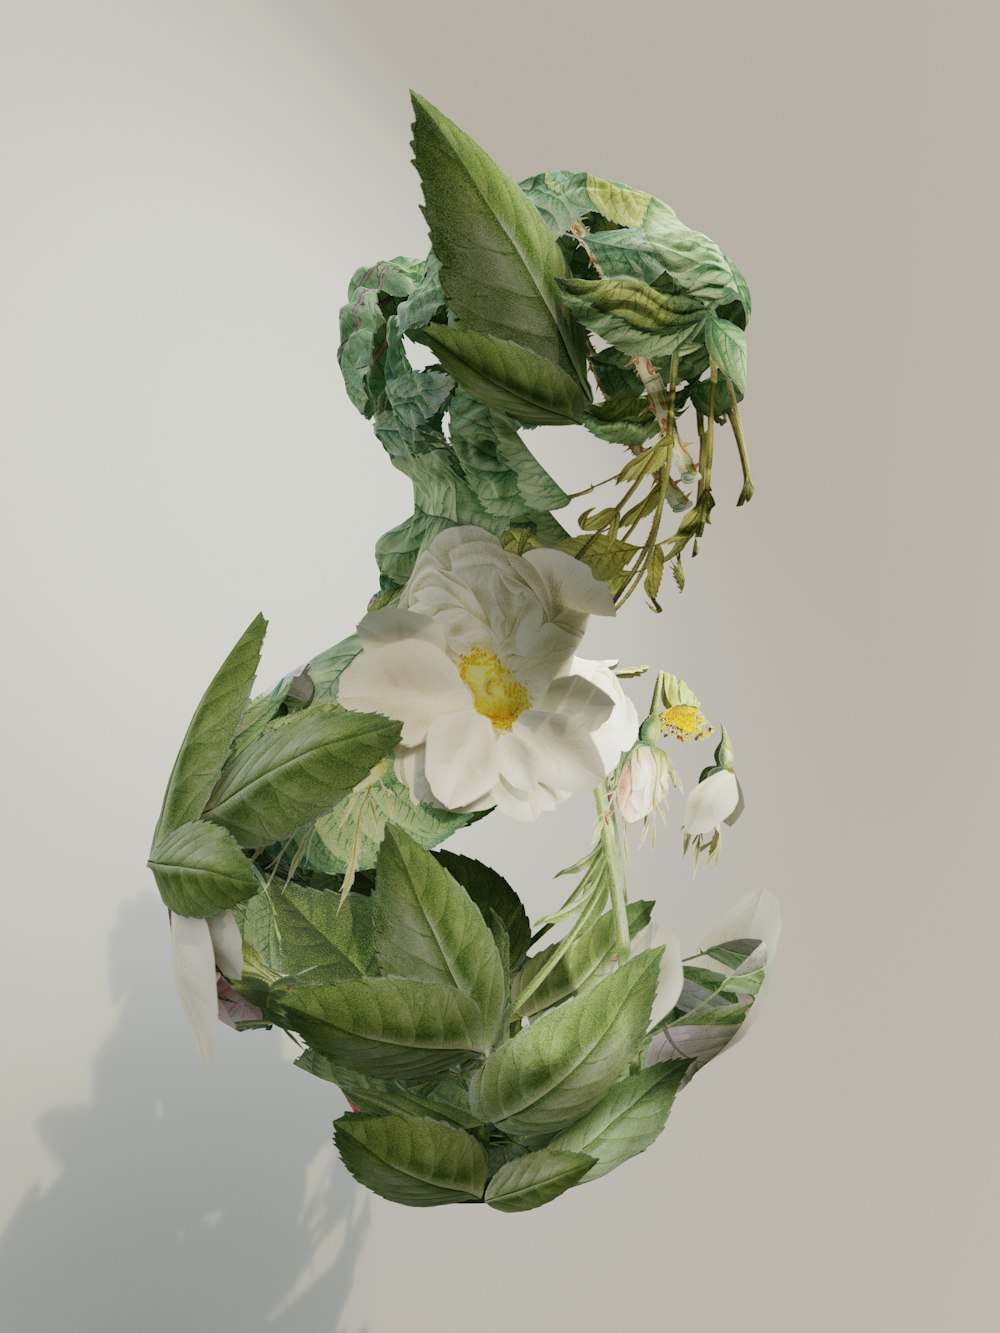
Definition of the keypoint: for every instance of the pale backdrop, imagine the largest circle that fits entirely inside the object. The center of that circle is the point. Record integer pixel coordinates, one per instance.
(189, 186)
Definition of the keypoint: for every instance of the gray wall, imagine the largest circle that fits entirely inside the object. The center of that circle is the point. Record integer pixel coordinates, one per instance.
(189, 187)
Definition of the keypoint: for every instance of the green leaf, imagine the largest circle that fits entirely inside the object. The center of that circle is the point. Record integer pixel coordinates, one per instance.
(389, 1027)
(728, 345)
(654, 577)
(491, 893)
(209, 735)
(607, 556)
(627, 1120)
(506, 376)
(327, 667)
(506, 477)
(618, 203)
(499, 263)
(429, 929)
(200, 870)
(445, 1098)
(364, 818)
(557, 1069)
(616, 374)
(426, 299)
(622, 421)
(362, 342)
(413, 1161)
(537, 1178)
(635, 317)
(415, 396)
(721, 406)
(295, 771)
(585, 962)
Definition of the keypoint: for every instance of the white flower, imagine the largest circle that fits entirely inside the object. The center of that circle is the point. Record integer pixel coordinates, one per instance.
(711, 802)
(478, 663)
(643, 783)
(199, 945)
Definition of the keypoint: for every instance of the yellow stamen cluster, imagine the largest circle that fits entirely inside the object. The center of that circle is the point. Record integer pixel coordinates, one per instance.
(496, 692)
(685, 722)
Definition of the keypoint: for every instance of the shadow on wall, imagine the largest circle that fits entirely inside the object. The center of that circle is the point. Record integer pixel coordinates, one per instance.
(188, 1198)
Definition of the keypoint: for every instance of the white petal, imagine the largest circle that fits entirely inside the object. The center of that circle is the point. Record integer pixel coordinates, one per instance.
(637, 788)
(410, 680)
(579, 699)
(460, 756)
(619, 732)
(526, 805)
(671, 981)
(194, 972)
(755, 917)
(569, 584)
(391, 623)
(517, 759)
(567, 756)
(710, 802)
(227, 943)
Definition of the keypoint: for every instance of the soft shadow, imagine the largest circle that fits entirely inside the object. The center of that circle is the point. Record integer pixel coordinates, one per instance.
(189, 1198)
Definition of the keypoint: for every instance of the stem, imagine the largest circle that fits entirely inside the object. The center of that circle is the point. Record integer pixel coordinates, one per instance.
(735, 421)
(707, 445)
(611, 841)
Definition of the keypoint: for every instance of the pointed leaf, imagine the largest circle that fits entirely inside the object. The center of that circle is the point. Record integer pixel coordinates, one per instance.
(491, 893)
(206, 743)
(295, 771)
(618, 203)
(635, 317)
(537, 1178)
(429, 929)
(506, 376)
(627, 1120)
(499, 262)
(413, 1161)
(387, 1027)
(442, 1099)
(200, 870)
(728, 345)
(557, 1069)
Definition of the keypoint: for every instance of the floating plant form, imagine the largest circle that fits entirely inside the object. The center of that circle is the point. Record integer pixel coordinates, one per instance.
(485, 1060)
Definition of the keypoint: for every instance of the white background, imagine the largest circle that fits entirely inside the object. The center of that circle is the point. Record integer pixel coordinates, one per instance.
(189, 187)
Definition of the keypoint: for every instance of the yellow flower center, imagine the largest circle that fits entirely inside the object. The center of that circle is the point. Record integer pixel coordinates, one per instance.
(685, 722)
(497, 693)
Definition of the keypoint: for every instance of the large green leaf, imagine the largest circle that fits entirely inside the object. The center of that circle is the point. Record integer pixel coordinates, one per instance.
(537, 1178)
(728, 345)
(499, 263)
(506, 376)
(388, 1027)
(506, 477)
(493, 896)
(628, 421)
(588, 959)
(635, 317)
(557, 1069)
(303, 766)
(206, 743)
(200, 870)
(445, 1098)
(429, 929)
(327, 667)
(627, 1120)
(410, 1160)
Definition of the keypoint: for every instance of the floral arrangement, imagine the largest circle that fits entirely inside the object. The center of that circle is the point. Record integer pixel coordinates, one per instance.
(485, 1059)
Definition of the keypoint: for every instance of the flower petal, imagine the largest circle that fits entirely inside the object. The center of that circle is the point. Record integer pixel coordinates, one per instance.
(227, 944)
(671, 982)
(410, 680)
(567, 756)
(569, 585)
(580, 699)
(619, 732)
(194, 972)
(391, 623)
(517, 759)
(710, 802)
(460, 757)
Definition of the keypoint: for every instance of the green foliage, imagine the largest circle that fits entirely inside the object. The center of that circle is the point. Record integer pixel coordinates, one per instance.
(206, 743)
(413, 1161)
(559, 1068)
(300, 767)
(495, 899)
(200, 870)
(627, 1120)
(499, 263)
(539, 1177)
(429, 929)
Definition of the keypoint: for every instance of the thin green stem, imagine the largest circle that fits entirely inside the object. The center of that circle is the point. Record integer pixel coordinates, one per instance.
(736, 422)
(611, 841)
